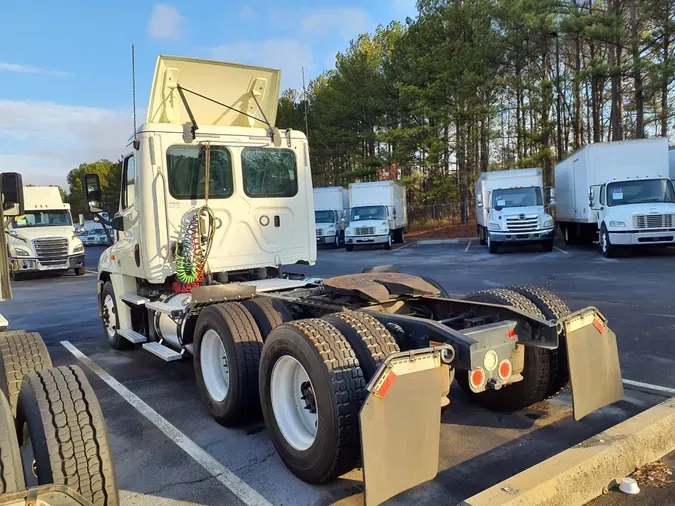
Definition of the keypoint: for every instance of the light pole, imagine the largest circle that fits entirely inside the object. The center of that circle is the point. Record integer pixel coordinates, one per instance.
(558, 93)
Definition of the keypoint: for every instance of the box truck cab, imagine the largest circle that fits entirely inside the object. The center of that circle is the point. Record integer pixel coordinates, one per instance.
(377, 214)
(330, 213)
(510, 209)
(620, 190)
(43, 238)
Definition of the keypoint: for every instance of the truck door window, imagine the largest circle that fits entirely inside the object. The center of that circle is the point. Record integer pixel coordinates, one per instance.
(602, 195)
(129, 185)
(186, 168)
(269, 172)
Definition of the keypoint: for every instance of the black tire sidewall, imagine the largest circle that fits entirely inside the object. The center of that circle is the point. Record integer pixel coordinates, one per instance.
(29, 414)
(10, 446)
(313, 463)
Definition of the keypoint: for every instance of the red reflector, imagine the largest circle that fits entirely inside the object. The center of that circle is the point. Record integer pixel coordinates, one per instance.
(505, 369)
(598, 325)
(477, 378)
(512, 334)
(385, 385)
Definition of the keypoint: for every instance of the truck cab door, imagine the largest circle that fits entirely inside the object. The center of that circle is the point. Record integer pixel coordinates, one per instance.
(128, 245)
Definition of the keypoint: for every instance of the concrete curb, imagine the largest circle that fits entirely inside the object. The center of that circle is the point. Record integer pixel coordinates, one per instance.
(428, 242)
(582, 473)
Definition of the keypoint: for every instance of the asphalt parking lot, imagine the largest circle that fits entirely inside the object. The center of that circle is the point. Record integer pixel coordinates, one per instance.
(478, 448)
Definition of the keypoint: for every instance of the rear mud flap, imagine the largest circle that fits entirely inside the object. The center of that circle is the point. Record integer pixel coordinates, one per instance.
(593, 359)
(401, 422)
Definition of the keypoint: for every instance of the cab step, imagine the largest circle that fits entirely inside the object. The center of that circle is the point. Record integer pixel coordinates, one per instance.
(132, 335)
(132, 298)
(162, 307)
(161, 351)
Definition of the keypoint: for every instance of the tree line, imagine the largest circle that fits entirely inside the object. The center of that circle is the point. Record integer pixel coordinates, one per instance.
(471, 86)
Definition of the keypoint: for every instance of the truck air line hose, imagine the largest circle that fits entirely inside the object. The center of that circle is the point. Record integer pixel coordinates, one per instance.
(192, 252)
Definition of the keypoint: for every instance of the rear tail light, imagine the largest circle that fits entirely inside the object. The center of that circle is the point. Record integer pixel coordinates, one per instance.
(505, 369)
(512, 334)
(477, 378)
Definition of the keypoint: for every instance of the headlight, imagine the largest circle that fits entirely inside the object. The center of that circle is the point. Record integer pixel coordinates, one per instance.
(78, 249)
(548, 223)
(494, 226)
(21, 252)
(349, 231)
(383, 230)
(617, 224)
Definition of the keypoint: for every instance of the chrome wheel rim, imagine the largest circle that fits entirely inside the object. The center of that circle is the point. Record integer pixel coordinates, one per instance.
(214, 365)
(111, 320)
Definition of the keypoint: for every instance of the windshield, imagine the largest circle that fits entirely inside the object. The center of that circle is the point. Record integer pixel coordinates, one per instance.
(517, 197)
(323, 216)
(640, 192)
(42, 219)
(368, 213)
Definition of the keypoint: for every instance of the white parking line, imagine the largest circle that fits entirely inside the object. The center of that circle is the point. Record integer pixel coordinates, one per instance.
(221, 473)
(561, 250)
(93, 272)
(662, 315)
(467, 247)
(404, 246)
(648, 386)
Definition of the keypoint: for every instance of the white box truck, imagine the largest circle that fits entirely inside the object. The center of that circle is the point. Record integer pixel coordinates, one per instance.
(671, 157)
(510, 209)
(378, 214)
(330, 212)
(620, 190)
(43, 238)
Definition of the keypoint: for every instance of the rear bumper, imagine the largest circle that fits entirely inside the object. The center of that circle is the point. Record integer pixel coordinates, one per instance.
(642, 237)
(27, 264)
(367, 239)
(537, 235)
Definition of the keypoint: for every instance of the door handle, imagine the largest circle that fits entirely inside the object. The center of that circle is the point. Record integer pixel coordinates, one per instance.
(277, 221)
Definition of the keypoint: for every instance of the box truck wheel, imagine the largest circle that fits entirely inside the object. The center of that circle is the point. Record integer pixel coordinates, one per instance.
(570, 235)
(79, 271)
(311, 391)
(226, 355)
(349, 247)
(553, 308)
(493, 248)
(547, 245)
(537, 369)
(11, 470)
(20, 353)
(399, 235)
(65, 440)
(369, 339)
(387, 245)
(267, 313)
(482, 240)
(109, 308)
(606, 247)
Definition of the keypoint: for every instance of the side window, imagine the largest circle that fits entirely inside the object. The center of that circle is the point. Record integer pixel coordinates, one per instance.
(186, 165)
(128, 182)
(269, 172)
(602, 195)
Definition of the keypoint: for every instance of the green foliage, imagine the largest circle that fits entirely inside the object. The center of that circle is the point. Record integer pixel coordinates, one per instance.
(109, 174)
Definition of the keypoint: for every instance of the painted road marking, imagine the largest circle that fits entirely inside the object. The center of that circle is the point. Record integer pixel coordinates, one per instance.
(561, 250)
(662, 315)
(404, 246)
(648, 386)
(93, 272)
(221, 473)
(467, 247)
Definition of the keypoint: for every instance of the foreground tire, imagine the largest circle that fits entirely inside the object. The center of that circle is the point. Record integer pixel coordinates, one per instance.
(267, 313)
(311, 391)
(227, 349)
(110, 325)
(537, 369)
(59, 412)
(20, 353)
(553, 308)
(369, 339)
(11, 470)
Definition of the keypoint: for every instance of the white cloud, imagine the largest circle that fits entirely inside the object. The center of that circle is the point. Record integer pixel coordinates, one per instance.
(287, 55)
(348, 21)
(247, 13)
(165, 22)
(44, 140)
(30, 69)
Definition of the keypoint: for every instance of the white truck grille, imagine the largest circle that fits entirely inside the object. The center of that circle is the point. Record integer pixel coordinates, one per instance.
(522, 223)
(645, 221)
(318, 232)
(51, 251)
(364, 231)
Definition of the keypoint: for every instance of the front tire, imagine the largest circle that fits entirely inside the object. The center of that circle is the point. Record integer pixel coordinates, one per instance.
(547, 245)
(387, 245)
(79, 271)
(110, 324)
(349, 247)
(311, 391)
(336, 243)
(482, 240)
(492, 246)
(606, 246)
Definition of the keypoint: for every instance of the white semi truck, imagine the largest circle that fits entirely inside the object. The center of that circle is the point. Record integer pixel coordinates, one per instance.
(510, 209)
(378, 214)
(330, 213)
(215, 202)
(43, 238)
(619, 190)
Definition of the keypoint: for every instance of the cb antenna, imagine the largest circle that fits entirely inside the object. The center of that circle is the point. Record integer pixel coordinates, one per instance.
(133, 93)
(304, 93)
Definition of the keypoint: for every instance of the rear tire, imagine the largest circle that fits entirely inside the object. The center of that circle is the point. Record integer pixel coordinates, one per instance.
(536, 372)
(11, 469)
(369, 339)
(328, 445)
(267, 313)
(399, 236)
(59, 411)
(227, 349)
(570, 235)
(21, 353)
(482, 240)
(110, 325)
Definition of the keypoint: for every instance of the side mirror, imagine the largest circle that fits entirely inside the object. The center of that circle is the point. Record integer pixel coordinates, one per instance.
(12, 193)
(92, 188)
(480, 205)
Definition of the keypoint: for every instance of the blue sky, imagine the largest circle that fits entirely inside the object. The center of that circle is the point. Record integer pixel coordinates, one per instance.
(65, 72)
